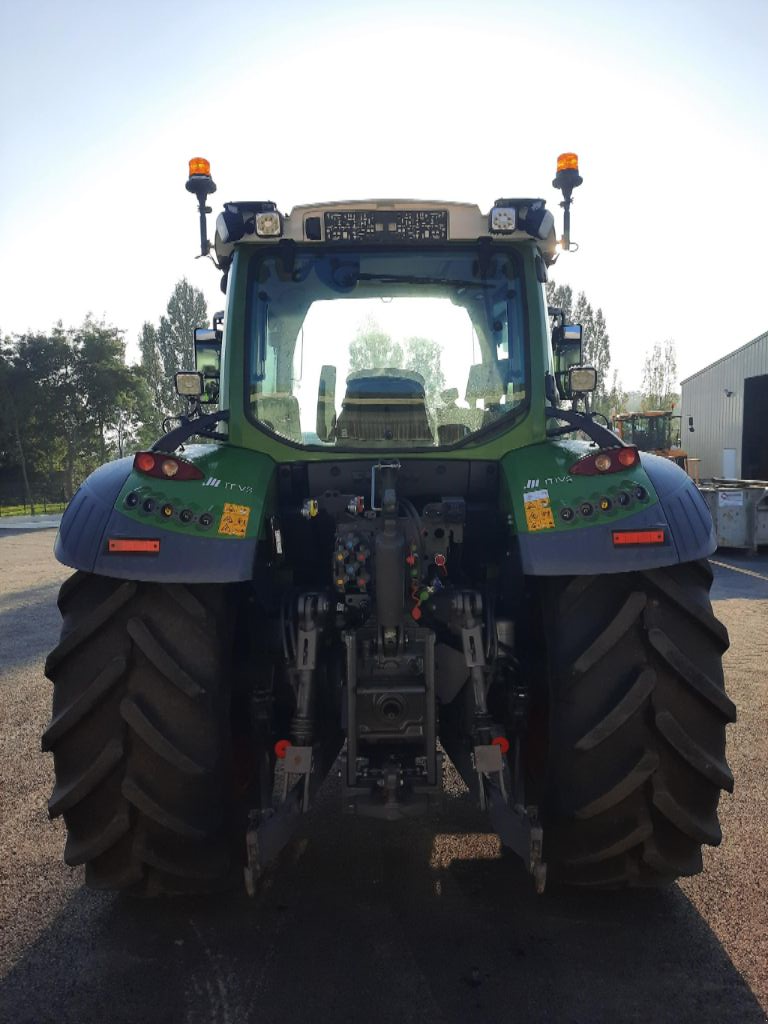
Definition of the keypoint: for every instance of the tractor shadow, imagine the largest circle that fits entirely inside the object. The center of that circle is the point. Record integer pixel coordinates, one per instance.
(29, 624)
(362, 921)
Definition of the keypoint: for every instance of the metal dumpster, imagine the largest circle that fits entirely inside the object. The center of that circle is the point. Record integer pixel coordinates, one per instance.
(739, 509)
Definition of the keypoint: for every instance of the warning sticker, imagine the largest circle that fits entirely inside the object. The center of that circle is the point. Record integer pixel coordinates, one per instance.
(538, 514)
(234, 520)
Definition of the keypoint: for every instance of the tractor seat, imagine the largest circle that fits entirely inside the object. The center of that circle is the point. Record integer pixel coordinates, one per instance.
(384, 406)
(279, 412)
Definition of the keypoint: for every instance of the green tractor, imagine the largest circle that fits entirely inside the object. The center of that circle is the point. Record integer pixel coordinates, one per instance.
(387, 531)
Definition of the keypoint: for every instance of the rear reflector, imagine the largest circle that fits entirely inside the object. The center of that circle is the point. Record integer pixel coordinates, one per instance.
(125, 545)
(624, 538)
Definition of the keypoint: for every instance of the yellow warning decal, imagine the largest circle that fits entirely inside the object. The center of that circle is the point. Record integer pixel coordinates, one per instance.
(234, 520)
(538, 514)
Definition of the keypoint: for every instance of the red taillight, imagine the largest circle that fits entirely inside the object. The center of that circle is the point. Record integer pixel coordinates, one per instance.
(166, 467)
(628, 456)
(609, 460)
(626, 538)
(145, 462)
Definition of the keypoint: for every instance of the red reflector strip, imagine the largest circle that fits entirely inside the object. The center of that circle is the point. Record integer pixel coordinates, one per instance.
(628, 537)
(123, 545)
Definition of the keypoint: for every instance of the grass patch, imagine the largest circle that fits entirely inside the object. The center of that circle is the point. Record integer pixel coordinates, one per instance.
(41, 508)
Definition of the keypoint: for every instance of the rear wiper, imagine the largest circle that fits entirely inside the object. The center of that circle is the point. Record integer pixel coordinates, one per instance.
(413, 279)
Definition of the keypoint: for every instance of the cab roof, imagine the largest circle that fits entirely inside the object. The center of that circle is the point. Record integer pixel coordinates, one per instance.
(386, 221)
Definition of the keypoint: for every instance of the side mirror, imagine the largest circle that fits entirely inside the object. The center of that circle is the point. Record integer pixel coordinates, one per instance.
(571, 334)
(208, 362)
(582, 380)
(188, 383)
(566, 347)
(326, 404)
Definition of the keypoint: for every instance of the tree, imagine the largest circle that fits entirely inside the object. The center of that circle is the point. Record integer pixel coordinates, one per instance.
(136, 422)
(68, 400)
(560, 296)
(41, 403)
(596, 342)
(372, 348)
(660, 377)
(155, 391)
(423, 356)
(9, 418)
(616, 397)
(106, 387)
(186, 310)
(595, 346)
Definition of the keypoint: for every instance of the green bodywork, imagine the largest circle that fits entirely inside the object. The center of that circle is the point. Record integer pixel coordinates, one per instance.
(241, 471)
(241, 484)
(232, 477)
(546, 468)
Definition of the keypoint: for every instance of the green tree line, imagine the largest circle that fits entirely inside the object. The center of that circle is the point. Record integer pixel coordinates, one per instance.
(69, 401)
(658, 389)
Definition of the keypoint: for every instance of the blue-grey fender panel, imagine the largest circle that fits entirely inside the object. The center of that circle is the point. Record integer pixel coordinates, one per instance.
(681, 513)
(90, 519)
(82, 525)
(686, 511)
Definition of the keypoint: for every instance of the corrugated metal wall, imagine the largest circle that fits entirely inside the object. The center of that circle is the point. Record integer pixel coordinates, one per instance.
(718, 417)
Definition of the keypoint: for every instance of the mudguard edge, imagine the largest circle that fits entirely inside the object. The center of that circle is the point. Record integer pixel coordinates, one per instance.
(90, 518)
(681, 512)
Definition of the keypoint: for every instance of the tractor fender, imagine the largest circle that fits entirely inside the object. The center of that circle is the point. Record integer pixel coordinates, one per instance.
(91, 519)
(680, 511)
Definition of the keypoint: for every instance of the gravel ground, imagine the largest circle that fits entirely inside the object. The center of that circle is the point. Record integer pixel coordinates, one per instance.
(418, 922)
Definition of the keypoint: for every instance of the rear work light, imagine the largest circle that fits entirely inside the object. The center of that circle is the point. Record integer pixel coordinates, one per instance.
(166, 467)
(609, 460)
(630, 538)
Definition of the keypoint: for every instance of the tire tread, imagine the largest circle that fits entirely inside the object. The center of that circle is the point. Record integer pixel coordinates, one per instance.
(140, 732)
(638, 713)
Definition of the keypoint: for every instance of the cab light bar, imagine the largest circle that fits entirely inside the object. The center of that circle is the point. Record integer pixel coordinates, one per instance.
(609, 460)
(128, 545)
(166, 467)
(630, 538)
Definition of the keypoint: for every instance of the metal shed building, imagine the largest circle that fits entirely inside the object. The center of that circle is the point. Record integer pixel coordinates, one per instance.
(729, 405)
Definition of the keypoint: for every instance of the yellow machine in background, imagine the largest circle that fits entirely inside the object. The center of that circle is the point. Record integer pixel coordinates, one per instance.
(655, 432)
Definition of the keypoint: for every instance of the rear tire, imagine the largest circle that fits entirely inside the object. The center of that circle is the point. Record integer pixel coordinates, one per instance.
(140, 733)
(637, 712)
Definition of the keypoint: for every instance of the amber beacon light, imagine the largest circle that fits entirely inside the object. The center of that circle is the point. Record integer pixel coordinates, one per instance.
(201, 184)
(199, 165)
(567, 179)
(565, 162)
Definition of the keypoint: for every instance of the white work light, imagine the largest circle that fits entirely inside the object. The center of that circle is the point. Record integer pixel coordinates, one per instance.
(503, 220)
(268, 225)
(188, 383)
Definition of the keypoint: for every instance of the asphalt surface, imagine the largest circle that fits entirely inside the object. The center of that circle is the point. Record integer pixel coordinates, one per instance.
(19, 524)
(365, 922)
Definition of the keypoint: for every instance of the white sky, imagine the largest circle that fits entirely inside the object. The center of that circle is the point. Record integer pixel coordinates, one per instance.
(101, 106)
